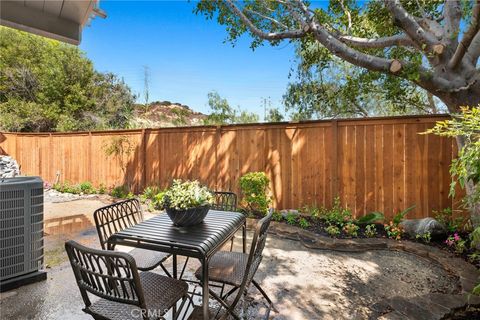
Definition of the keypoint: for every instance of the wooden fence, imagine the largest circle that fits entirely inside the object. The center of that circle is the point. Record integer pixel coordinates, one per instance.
(381, 164)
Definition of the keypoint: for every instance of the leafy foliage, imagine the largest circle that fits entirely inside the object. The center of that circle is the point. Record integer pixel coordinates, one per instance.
(338, 89)
(466, 168)
(254, 187)
(274, 115)
(223, 113)
(394, 231)
(291, 218)
(122, 192)
(184, 195)
(371, 230)
(351, 229)
(333, 231)
(337, 215)
(446, 218)
(303, 223)
(408, 47)
(371, 218)
(398, 217)
(46, 85)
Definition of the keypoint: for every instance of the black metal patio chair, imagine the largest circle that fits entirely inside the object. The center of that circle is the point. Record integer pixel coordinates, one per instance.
(119, 216)
(124, 292)
(238, 269)
(225, 201)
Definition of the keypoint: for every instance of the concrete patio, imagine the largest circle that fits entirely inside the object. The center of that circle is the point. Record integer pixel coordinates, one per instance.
(304, 283)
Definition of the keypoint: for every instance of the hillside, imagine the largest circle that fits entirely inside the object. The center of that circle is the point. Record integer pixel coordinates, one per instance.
(166, 114)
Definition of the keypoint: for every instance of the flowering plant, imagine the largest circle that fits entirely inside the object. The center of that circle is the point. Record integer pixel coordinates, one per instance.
(394, 230)
(183, 195)
(456, 242)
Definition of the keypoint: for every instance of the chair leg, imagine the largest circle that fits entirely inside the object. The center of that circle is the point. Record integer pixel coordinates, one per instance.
(165, 270)
(264, 294)
(229, 308)
(183, 268)
(177, 314)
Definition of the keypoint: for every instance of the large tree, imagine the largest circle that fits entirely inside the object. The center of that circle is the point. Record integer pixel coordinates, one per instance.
(46, 85)
(433, 44)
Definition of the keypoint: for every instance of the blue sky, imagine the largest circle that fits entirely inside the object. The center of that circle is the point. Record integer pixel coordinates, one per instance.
(186, 55)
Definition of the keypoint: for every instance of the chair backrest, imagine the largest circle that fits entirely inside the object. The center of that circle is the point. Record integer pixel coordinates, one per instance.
(225, 201)
(111, 275)
(116, 217)
(255, 255)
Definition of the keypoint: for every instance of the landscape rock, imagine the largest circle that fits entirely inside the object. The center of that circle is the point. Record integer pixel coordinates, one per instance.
(285, 213)
(9, 168)
(414, 227)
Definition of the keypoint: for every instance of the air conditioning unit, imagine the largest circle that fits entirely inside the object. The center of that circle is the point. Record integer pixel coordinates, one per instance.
(21, 232)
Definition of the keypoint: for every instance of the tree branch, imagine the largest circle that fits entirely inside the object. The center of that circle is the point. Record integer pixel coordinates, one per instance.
(384, 42)
(349, 16)
(278, 23)
(474, 50)
(453, 14)
(289, 34)
(410, 25)
(468, 36)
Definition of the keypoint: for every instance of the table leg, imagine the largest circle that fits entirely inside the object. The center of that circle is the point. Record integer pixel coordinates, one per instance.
(205, 292)
(244, 234)
(174, 262)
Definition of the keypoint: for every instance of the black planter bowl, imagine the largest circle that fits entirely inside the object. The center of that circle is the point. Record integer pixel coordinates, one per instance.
(189, 217)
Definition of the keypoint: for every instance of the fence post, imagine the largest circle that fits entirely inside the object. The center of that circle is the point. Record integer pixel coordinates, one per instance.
(218, 134)
(90, 157)
(143, 160)
(334, 162)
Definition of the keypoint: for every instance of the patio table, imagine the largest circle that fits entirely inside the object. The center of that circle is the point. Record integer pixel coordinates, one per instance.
(201, 241)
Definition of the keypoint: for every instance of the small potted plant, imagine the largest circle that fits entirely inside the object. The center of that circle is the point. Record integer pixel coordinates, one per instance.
(186, 202)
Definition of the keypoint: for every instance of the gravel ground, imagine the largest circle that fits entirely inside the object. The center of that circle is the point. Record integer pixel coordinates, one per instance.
(303, 283)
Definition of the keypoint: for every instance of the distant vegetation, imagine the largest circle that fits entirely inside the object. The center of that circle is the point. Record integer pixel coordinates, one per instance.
(46, 85)
(223, 113)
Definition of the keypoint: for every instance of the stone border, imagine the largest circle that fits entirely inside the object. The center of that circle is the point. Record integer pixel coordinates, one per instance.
(429, 306)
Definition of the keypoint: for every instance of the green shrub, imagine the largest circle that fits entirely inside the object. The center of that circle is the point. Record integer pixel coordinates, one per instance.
(122, 192)
(445, 217)
(351, 229)
(371, 218)
(149, 193)
(66, 187)
(254, 187)
(182, 195)
(370, 230)
(291, 218)
(426, 237)
(303, 223)
(312, 211)
(394, 231)
(277, 216)
(102, 189)
(87, 187)
(333, 231)
(397, 218)
(337, 215)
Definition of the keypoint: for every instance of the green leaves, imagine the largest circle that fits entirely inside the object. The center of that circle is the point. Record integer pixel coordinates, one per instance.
(50, 86)
(371, 218)
(465, 169)
(184, 195)
(223, 113)
(254, 186)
